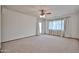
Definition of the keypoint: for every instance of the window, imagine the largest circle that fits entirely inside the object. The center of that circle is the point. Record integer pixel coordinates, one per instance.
(56, 25)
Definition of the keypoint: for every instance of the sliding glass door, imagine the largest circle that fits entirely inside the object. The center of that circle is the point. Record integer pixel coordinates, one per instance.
(56, 27)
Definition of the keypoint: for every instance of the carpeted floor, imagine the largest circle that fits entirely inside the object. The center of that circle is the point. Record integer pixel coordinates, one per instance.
(42, 44)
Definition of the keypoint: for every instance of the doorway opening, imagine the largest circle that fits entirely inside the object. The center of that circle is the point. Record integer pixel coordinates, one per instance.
(40, 28)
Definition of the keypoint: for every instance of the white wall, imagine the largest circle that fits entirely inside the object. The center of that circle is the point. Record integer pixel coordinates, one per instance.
(0, 26)
(78, 25)
(16, 25)
(72, 29)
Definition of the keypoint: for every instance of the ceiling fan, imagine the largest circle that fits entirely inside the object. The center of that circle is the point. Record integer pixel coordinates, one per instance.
(44, 12)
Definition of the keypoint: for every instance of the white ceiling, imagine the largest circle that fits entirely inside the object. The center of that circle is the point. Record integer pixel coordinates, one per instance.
(57, 10)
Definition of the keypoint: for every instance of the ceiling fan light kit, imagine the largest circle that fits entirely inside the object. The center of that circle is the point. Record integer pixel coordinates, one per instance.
(42, 16)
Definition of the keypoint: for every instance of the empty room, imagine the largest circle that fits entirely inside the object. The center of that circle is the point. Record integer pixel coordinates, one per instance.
(39, 28)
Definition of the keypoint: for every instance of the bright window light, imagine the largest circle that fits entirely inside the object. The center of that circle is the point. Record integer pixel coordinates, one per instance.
(40, 27)
(56, 25)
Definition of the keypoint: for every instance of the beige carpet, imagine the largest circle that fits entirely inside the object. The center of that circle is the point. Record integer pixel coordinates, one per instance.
(42, 44)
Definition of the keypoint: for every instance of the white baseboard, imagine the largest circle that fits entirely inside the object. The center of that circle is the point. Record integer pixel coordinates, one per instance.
(18, 38)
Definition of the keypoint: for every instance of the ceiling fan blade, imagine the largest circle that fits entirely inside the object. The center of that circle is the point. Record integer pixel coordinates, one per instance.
(43, 12)
(48, 13)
